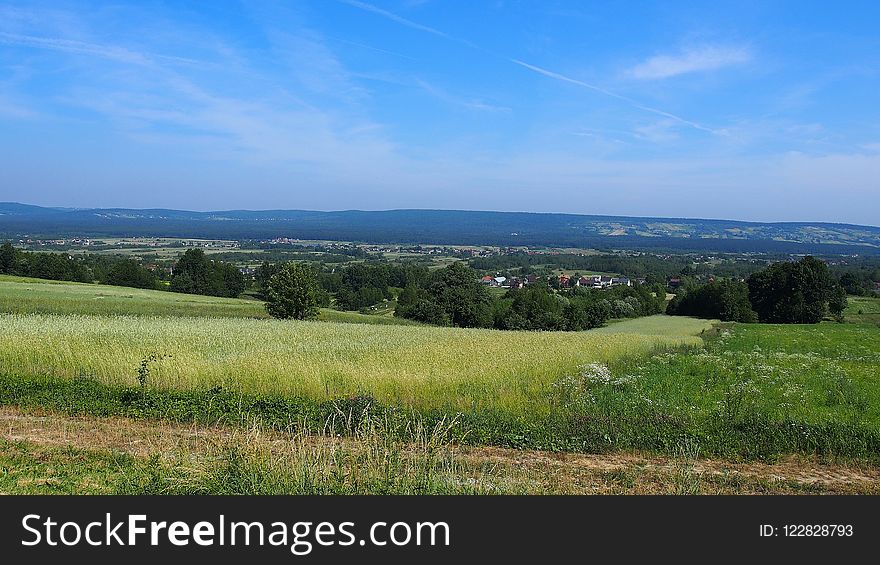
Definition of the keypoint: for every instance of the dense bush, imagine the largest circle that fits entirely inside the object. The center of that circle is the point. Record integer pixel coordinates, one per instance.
(725, 300)
(362, 285)
(350, 299)
(858, 276)
(534, 307)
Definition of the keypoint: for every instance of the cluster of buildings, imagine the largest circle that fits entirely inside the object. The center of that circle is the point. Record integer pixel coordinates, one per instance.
(594, 281)
(283, 241)
(489, 280)
(504, 282)
(57, 242)
(441, 250)
(565, 281)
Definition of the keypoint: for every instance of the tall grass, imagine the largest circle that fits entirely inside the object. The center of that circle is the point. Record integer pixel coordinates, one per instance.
(372, 459)
(421, 367)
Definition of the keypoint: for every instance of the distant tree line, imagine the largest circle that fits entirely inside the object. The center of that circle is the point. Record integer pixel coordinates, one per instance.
(314, 255)
(858, 276)
(453, 296)
(194, 273)
(539, 307)
(117, 271)
(650, 267)
(54, 266)
(266, 247)
(801, 292)
(438, 227)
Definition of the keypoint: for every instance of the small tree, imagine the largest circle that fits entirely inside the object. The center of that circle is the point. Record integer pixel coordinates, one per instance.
(293, 292)
(837, 303)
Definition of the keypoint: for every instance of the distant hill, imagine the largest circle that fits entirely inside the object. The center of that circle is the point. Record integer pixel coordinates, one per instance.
(446, 227)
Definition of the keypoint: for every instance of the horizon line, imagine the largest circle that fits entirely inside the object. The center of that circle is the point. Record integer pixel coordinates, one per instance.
(87, 208)
(597, 215)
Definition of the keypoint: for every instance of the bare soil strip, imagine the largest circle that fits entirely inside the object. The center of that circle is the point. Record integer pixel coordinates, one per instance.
(539, 471)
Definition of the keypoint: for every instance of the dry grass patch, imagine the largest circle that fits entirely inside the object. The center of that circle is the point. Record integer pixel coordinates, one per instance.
(477, 469)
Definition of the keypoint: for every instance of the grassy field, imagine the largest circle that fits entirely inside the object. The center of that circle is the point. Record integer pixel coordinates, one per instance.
(176, 461)
(20, 295)
(656, 326)
(755, 390)
(864, 309)
(658, 384)
(424, 367)
(31, 296)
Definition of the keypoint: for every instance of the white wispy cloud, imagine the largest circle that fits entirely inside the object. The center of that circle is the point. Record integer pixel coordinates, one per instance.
(409, 23)
(469, 103)
(691, 60)
(630, 101)
(661, 131)
(308, 115)
(370, 47)
(404, 21)
(12, 109)
(112, 52)
(394, 17)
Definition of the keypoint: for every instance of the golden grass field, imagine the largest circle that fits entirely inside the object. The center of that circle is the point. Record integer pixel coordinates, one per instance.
(416, 366)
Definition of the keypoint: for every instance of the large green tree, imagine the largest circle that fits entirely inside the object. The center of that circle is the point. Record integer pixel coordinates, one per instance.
(196, 274)
(128, 272)
(192, 273)
(293, 292)
(452, 296)
(457, 291)
(795, 292)
(7, 258)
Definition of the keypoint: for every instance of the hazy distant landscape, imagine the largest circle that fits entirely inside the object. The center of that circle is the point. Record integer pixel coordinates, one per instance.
(445, 227)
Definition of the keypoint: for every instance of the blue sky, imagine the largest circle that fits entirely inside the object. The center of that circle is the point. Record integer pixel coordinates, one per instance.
(745, 110)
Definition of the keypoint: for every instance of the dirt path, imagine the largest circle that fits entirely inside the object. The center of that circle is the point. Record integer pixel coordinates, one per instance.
(540, 471)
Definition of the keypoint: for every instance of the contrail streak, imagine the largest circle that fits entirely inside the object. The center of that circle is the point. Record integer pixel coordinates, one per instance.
(634, 103)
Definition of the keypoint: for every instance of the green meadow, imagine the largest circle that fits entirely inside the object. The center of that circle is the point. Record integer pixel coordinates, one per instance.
(23, 295)
(863, 309)
(659, 384)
